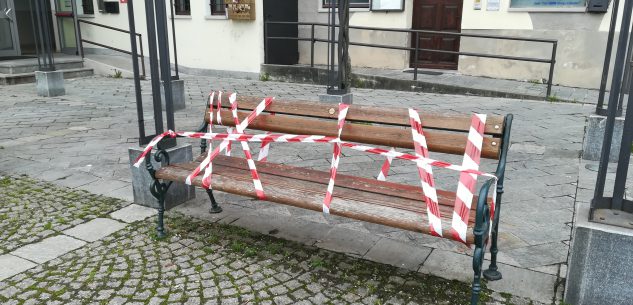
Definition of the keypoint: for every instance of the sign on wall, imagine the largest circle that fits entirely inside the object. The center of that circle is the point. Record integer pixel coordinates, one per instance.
(387, 5)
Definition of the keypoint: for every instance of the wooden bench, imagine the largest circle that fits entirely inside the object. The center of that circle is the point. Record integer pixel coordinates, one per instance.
(396, 205)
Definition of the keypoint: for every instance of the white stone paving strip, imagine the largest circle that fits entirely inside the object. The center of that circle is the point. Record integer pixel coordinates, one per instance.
(11, 265)
(29, 256)
(49, 248)
(133, 213)
(95, 229)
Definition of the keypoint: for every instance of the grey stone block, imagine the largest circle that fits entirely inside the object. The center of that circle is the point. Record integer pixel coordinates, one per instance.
(141, 180)
(132, 213)
(600, 267)
(177, 93)
(402, 255)
(95, 229)
(594, 135)
(346, 98)
(50, 83)
(11, 265)
(49, 248)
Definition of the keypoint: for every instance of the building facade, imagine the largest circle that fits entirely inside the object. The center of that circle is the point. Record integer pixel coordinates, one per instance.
(209, 42)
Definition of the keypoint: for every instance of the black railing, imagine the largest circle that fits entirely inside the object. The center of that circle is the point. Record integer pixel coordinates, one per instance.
(618, 202)
(416, 33)
(140, 42)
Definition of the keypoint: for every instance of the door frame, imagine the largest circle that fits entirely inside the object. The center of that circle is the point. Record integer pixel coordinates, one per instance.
(412, 59)
(13, 28)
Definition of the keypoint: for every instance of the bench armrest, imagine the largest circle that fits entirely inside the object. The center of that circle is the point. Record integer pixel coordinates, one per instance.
(481, 229)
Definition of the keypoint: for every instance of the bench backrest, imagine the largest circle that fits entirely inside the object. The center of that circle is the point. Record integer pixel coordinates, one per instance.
(445, 133)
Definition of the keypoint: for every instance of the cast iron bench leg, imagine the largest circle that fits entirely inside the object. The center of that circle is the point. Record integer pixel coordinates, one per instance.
(160, 228)
(215, 208)
(492, 273)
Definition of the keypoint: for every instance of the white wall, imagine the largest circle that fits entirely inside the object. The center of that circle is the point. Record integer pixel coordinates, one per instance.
(203, 42)
(311, 11)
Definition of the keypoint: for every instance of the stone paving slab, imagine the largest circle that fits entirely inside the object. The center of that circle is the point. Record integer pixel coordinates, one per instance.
(133, 213)
(48, 249)
(95, 229)
(11, 265)
(32, 210)
(401, 255)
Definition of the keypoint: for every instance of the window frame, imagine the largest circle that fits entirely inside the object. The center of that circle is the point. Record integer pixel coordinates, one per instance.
(212, 12)
(563, 9)
(351, 5)
(184, 4)
(82, 4)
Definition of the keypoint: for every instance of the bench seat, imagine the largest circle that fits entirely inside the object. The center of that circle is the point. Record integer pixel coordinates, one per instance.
(392, 204)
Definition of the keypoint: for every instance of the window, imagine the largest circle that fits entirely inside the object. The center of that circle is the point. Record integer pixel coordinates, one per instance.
(86, 7)
(352, 3)
(181, 7)
(547, 4)
(218, 7)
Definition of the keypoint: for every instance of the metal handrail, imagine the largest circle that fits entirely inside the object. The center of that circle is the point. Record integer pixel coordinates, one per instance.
(140, 39)
(417, 49)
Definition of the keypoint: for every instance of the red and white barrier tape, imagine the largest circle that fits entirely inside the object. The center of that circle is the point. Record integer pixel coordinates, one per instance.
(259, 190)
(208, 171)
(262, 156)
(426, 174)
(467, 182)
(336, 156)
(384, 170)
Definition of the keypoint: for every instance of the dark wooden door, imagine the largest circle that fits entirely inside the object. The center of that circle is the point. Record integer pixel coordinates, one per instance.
(437, 15)
(278, 51)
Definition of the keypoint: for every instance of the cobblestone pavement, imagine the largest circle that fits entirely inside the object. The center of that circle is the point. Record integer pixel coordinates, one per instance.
(214, 263)
(94, 124)
(31, 210)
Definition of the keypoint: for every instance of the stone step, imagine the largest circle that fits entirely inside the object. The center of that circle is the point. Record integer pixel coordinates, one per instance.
(24, 78)
(21, 66)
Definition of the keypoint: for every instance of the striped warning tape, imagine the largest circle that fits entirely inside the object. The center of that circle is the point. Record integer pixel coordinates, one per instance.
(426, 174)
(336, 156)
(384, 170)
(467, 182)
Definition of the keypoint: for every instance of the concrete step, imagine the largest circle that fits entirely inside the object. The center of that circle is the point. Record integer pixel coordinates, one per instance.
(30, 65)
(24, 78)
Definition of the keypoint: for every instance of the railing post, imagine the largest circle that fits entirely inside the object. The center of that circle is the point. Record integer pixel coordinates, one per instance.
(80, 47)
(265, 41)
(551, 69)
(607, 58)
(416, 54)
(312, 46)
(140, 44)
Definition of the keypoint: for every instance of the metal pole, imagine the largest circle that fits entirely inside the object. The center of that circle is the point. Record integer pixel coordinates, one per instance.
(607, 57)
(165, 68)
(416, 54)
(153, 65)
(625, 157)
(173, 34)
(140, 45)
(266, 42)
(331, 42)
(312, 46)
(626, 88)
(344, 69)
(612, 109)
(77, 32)
(80, 40)
(137, 79)
(551, 69)
(37, 47)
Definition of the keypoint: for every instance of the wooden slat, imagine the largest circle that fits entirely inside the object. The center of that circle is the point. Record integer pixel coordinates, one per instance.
(350, 203)
(345, 181)
(383, 115)
(438, 141)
